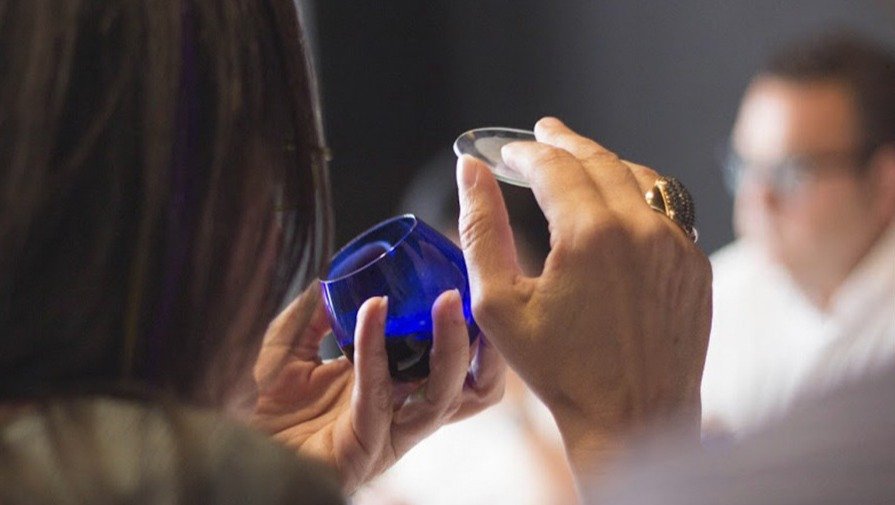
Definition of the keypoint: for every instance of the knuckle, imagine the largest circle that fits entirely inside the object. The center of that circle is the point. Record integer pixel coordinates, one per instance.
(590, 235)
(587, 149)
(486, 306)
(382, 397)
(604, 231)
(547, 155)
(483, 400)
(432, 405)
(662, 237)
(454, 407)
(644, 172)
(440, 404)
(473, 226)
(604, 158)
(654, 226)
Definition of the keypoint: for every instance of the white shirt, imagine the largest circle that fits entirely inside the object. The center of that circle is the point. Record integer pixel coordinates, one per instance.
(769, 346)
(486, 459)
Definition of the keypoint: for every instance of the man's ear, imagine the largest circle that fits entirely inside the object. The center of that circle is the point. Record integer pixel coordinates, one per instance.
(882, 177)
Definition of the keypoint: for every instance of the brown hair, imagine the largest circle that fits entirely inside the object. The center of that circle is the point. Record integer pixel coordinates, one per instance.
(162, 185)
(864, 67)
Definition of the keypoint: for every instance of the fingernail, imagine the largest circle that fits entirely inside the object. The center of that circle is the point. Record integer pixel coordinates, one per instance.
(383, 309)
(467, 173)
(456, 302)
(550, 122)
(545, 125)
(506, 152)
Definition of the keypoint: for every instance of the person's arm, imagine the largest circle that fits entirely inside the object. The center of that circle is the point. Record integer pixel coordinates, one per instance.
(612, 335)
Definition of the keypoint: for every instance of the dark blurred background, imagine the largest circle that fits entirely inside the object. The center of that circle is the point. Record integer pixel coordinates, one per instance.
(658, 82)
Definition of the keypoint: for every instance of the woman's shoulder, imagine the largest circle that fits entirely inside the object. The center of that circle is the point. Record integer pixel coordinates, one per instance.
(103, 449)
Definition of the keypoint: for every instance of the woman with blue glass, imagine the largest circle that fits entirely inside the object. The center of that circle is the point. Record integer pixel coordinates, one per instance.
(164, 187)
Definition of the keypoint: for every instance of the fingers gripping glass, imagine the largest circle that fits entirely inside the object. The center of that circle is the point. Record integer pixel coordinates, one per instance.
(484, 144)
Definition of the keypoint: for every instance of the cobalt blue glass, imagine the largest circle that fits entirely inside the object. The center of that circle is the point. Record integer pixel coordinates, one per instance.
(411, 263)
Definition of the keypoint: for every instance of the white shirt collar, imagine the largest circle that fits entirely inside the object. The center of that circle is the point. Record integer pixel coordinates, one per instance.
(871, 283)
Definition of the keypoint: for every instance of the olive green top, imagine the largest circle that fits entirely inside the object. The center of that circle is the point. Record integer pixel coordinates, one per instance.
(105, 450)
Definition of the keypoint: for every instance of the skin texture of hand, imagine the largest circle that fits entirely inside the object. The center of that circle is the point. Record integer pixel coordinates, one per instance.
(355, 417)
(612, 335)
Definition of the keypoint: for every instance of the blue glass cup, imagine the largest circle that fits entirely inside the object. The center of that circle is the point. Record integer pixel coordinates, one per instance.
(411, 263)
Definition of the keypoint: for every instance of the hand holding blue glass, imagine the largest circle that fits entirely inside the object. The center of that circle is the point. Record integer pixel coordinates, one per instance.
(406, 260)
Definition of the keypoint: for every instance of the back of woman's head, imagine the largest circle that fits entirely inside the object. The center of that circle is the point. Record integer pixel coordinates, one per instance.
(162, 185)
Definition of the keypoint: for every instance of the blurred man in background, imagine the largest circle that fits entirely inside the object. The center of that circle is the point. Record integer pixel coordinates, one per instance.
(805, 296)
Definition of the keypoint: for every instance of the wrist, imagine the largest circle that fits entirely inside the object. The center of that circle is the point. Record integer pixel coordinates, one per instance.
(594, 440)
(590, 445)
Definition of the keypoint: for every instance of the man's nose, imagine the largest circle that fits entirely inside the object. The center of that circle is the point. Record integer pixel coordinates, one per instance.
(757, 190)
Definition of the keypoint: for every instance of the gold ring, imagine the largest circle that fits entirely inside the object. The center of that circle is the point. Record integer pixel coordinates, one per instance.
(669, 196)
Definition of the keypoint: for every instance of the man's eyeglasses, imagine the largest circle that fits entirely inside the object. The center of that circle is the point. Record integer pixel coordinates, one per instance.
(791, 174)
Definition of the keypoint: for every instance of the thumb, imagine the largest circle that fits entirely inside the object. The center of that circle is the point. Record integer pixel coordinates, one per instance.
(485, 232)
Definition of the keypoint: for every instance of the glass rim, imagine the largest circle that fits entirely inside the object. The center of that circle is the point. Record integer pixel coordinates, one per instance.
(354, 242)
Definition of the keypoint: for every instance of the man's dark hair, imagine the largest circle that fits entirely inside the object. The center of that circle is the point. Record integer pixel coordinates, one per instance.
(866, 68)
